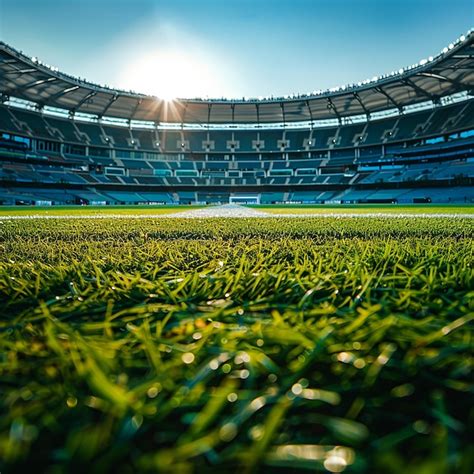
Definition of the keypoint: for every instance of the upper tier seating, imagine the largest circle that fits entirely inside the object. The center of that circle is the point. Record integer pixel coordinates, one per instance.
(120, 136)
(349, 134)
(147, 139)
(93, 132)
(429, 123)
(377, 131)
(32, 121)
(6, 121)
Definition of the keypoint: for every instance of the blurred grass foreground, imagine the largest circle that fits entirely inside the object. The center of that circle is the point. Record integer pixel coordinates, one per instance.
(237, 345)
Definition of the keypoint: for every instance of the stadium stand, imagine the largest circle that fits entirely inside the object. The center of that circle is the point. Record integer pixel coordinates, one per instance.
(92, 133)
(401, 148)
(120, 137)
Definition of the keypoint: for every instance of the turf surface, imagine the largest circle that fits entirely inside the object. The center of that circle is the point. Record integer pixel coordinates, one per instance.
(137, 210)
(368, 208)
(238, 345)
(92, 210)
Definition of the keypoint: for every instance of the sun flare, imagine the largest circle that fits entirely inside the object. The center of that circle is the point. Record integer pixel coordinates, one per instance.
(169, 75)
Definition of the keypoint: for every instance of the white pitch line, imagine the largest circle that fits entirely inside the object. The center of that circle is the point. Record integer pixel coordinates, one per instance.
(236, 211)
(378, 214)
(207, 214)
(226, 210)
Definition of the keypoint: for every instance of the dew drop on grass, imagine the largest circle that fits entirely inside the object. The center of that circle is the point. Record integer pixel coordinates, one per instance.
(241, 358)
(188, 358)
(152, 392)
(244, 374)
(256, 432)
(344, 357)
(232, 397)
(228, 432)
(71, 402)
(421, 427)
(297, 389)
(403, 390)
(335, 463)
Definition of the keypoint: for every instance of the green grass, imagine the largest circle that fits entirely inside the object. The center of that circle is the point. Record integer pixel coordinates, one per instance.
(272, 209)
(367, 208)
(237, 345)
(92, 210)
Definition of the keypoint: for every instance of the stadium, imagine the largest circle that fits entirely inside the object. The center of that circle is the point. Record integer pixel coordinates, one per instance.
(233, 282)
(405, 137)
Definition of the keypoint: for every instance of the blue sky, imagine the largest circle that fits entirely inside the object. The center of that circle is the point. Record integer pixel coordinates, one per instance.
(231, 48)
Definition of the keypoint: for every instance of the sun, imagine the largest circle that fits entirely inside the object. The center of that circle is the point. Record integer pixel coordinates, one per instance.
(169, 75)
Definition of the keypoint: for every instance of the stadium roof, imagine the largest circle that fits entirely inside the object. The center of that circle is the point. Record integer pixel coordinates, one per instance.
(451, 72)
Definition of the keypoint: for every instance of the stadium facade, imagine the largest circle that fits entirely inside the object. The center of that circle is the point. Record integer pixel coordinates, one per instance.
(405, 137)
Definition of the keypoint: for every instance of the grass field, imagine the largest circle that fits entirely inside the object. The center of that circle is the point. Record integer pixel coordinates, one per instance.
(134, 210)
(92, 210)
(237, 345)
(367, 208)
